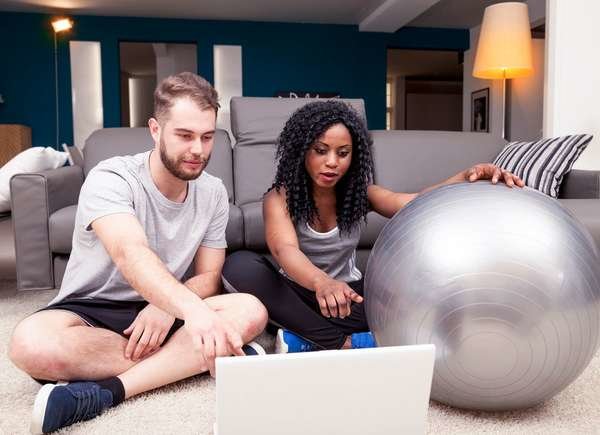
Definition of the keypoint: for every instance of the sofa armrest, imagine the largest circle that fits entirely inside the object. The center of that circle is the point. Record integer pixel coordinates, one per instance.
(580, 184)
(34, 197)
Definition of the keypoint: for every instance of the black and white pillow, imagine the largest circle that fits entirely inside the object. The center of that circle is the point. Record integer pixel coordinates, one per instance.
(544, 163)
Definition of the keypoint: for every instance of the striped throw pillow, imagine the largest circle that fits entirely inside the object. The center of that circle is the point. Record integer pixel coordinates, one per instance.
(544, 163)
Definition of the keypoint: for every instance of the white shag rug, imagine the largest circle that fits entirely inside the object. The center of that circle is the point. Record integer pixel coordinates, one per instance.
(188, 407)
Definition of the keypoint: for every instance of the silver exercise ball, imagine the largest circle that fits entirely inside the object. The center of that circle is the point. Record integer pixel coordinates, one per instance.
(506, 284)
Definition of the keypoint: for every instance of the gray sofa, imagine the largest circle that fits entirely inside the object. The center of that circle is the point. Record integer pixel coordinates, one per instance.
(44, 204)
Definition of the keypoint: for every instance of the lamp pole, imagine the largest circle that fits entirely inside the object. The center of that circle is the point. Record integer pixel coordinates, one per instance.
(58, 25)
(504, 104)
(56, 87)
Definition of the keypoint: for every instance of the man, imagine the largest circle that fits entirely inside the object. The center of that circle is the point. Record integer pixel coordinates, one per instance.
(141, 221)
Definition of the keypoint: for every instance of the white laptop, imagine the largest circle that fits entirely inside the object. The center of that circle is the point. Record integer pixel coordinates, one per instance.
(351, 392)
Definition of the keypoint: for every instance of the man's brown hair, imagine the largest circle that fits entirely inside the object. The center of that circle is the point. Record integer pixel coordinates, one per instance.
(184, 85)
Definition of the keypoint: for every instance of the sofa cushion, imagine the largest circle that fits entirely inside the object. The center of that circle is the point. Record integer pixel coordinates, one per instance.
(586, 210)
(362, 258)
(258, 121)
(409, 161)
(588, 213)
(234, 233)
(221, 161)
(256, 124)
(370, 232)
(580, 184)
(62, 224)
(109, 142)
(254, 233)
(59, 265)
(254, 226)
(254, 169)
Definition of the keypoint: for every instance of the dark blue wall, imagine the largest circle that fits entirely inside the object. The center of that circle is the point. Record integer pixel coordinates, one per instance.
(276, 56)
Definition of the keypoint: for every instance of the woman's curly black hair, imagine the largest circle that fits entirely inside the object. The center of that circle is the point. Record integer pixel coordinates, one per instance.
(303, 128)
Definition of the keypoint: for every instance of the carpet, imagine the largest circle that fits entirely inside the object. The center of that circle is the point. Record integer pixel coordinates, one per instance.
(188, 407)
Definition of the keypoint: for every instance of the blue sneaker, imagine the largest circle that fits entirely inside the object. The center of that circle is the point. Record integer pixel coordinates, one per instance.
(288, 342)
(361, 340)
(63, 404)
(253, 348)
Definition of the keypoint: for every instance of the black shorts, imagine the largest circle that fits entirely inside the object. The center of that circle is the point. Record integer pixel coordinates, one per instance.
(115, 316)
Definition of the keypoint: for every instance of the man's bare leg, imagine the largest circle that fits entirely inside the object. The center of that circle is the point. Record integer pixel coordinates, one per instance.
(56, 406)
(176, 360)
(58, 345)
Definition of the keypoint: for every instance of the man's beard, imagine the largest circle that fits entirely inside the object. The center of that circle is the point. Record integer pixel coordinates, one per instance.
(174, 165)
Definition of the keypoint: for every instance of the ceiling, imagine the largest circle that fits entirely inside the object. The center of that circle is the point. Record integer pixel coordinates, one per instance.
(311, 11)
(459, 14)
(370, 15)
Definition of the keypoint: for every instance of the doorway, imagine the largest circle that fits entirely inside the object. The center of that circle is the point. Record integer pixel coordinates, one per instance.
(142, 66)
(424, 90)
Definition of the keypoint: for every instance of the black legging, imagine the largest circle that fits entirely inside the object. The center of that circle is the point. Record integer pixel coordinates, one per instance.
(290, 305)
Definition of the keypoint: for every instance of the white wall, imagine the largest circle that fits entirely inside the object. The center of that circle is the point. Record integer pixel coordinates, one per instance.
(572, 87)
(86, 89)
(527, 99)
(228, 80)
(185, 57)
(141, 100)
(174, 58)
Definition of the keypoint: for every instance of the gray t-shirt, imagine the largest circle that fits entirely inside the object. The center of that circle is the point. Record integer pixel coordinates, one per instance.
(334, 255)
(174, 230)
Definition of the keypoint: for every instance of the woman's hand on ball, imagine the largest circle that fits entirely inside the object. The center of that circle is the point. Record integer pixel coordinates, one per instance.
(335, 297)
(489, 171)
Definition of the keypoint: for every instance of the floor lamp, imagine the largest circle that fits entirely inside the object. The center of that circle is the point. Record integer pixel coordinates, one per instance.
(59, 25)
(504, 47)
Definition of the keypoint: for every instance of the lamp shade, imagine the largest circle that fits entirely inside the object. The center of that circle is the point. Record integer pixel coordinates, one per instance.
(504, 47)
(62, 24)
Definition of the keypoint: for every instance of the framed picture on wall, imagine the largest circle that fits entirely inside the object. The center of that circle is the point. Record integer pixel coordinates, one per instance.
(480, 110)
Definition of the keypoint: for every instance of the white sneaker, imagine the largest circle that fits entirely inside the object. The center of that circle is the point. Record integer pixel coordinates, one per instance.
(253, 348)
(280, 344)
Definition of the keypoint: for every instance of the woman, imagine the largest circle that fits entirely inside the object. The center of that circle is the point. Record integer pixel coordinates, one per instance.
(313, 215)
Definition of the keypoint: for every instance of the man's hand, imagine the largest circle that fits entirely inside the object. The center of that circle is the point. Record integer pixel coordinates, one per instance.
(212, 335)
(488, 171)
(147, 332)
(335, 297)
